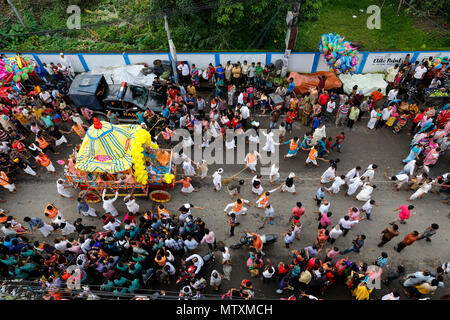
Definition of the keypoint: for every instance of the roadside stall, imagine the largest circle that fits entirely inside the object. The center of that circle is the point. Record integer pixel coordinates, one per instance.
(122, 158)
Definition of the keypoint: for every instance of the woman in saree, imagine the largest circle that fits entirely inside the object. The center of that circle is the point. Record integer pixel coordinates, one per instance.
(305, 114)
(414, 153)
(195, 76)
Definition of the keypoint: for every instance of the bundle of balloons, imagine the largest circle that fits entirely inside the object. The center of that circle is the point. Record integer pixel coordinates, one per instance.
(16, 69)
(136, 151)
(340, 55)
(437, 63)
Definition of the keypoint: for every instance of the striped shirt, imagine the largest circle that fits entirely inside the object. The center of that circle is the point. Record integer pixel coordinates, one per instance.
(343, 109)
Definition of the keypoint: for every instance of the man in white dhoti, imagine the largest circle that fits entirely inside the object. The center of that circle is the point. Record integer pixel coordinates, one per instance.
(65, 227)
(83, 206)
(257, 188)
(230, 144)
(370, 172)
(319, 133)
(424, 188)
(373, 119)
(37, 223)
(188, 169)
(352, 174)
(329, 175)
(251, 160)
(366, 192)
(253, 137)
(62, 189)
(108, 203)
(354, 184)
(336, 186)
(217, 179)
(131, 204)
(202, 169)
(187, 142)
(289, 185)
(270, 143)
(274, 174)
(236, 207)
(400, 179)
(111, 225)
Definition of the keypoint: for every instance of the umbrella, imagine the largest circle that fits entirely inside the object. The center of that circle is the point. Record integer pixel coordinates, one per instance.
(105, 148)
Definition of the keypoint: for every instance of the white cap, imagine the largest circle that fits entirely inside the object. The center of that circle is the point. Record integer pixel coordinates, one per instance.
(220, 170)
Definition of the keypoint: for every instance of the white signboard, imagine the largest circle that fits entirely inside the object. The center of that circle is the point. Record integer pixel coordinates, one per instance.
(379, 62)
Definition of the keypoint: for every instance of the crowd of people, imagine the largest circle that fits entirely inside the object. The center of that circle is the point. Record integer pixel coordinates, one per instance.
(145, 249)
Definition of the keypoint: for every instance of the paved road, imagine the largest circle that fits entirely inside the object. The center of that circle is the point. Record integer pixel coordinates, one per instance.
(361, 147)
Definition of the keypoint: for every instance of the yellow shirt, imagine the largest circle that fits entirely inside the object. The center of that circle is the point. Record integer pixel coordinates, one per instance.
(21, 118)
(38, 113)
(192, 91)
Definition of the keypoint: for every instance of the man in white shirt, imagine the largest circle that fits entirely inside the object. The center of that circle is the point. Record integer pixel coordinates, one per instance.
(245, 66)
(409, 168)
(61, 245)
(251, 74)
(331, 105)
(392, 95)
(418, 75)
(170, 268)
(346, 224)
(108, 205)
(45, 97)
(190, 243)
(184, 69)
(66, 63)
(245, 113)
(386, 113)
(335, 233)
(400, 179)
(197, 262)
(435, 83)
(352, 173)
(324, 207)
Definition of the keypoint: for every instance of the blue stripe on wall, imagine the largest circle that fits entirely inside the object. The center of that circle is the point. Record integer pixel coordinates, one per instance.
(363, 62)
(315, 62)
(83, 62)
(126, 58)
(39, 62)
(415, 56)
(217, 58)
(268, 57)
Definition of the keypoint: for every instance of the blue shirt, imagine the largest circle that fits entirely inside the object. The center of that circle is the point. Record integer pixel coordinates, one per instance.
(82, 205)
(140, 116)
(291, 87)
(36, 222)
(165, 113)
(220, 72)
(320, 194)
(311, 251)
(382, 261)
(316, 122)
